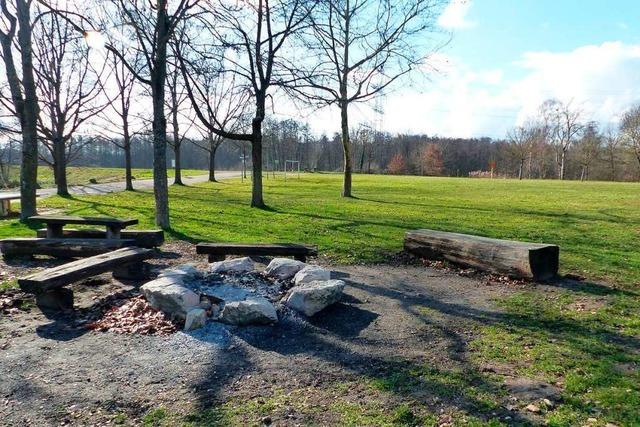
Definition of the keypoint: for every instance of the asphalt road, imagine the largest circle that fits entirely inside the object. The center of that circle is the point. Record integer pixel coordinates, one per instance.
(114, 187)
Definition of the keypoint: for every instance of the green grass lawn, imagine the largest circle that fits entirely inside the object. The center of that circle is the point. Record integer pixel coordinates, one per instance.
(83, 175)
(597, 225)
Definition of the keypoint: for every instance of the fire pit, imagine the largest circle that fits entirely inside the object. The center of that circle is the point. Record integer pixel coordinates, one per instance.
(235, 292)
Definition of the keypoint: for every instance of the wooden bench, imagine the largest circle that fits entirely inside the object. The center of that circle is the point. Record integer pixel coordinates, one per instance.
(48, 285)
(61, 248)
(5, 203)
(143, 238)
(218, 251)
(55, 224)
(517, 259)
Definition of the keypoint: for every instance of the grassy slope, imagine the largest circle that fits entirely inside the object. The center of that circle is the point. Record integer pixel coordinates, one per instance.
(597, 225)
(81, 175)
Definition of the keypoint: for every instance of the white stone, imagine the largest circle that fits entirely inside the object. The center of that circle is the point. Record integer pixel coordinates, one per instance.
(180, 270)
(311, 273)
(254, 310)
(313, 297)
(196, 318)
(235, 265)
(283, 268)
(168, 294)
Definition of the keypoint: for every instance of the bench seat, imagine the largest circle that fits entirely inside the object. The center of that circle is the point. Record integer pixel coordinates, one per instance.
(61, 248)
(143, 238)
(46, 284)
(218, 251)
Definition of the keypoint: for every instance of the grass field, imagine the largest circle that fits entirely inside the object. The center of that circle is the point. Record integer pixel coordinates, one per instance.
(597, 225)
(83, 175)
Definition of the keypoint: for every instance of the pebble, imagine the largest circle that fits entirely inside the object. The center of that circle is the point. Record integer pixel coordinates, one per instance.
(533, 408)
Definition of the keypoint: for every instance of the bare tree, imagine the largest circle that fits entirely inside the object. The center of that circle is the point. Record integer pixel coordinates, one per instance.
(69, 91)
(588, 148)
(251, 40)
(611, 146)
(522, 140)
(563, 124)
(630, 128)
(364, 47)
(16, 36)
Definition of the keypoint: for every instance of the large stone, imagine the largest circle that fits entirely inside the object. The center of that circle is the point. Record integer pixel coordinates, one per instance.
(180, 270)
(227, 293)
(255, 310)
(196, 318)
(235, 265)
(311, 273)
(313, 297)
(284, 268)
(167, 294)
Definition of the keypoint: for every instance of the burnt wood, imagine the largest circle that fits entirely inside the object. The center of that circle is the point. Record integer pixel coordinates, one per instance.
(143, 238)
(65, 274)
(62, 248)
(217, 251)
(516, 259)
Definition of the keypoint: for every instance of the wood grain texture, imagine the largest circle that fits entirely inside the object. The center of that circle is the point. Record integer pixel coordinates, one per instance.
(516, 259)
(63, 248)
(82, 269)
(143, 238)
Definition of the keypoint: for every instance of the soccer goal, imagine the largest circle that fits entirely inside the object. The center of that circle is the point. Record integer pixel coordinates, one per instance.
(295, 167)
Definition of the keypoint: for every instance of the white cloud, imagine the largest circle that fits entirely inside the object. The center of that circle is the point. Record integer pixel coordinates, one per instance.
(454, 16)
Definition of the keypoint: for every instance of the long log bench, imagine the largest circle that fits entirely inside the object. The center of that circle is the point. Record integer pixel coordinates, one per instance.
(218, 251)
(61, 248)
(516, 259)
(143, 238)
(48, 285)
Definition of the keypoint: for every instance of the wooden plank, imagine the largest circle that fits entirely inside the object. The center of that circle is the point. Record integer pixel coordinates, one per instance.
(143, 238)
(106, 221)
(82, 269)
(64, 248)
(517, 259)
(10, 196)
(257, 249)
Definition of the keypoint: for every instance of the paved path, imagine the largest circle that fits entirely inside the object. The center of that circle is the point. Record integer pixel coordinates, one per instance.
(141, 184)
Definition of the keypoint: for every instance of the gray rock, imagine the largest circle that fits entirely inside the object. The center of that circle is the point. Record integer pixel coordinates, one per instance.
(255, 310)
(235, 265)
(284, 268)
(313, 297)
(168, 294)
(180, 270)
(311, 273)
(227, 293)
(196, 318)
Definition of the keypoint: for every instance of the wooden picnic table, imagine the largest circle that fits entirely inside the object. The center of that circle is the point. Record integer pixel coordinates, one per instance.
(5, 203)
(55, 224)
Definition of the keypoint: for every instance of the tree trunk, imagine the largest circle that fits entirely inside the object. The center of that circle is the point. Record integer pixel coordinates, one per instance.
(212, 162)
(521, 169)
(562, 164)
(29, 120)
(128, 177)
(158, 80)
(346, 148)
(60, 166)
(256, 153)
(178, 169)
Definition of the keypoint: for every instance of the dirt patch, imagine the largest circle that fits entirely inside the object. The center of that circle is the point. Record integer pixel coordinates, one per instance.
(400, 336)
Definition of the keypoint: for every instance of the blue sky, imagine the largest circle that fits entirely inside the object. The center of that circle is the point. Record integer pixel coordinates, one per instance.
(507, 56)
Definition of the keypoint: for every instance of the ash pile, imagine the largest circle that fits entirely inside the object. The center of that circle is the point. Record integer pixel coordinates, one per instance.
(235, 292)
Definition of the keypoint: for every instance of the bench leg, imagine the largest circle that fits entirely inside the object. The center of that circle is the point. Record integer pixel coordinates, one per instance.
(134, 271)
(113, 232)
(54, 231)
(5, 208)
(216, 258)
(55, 299)
(301, 258)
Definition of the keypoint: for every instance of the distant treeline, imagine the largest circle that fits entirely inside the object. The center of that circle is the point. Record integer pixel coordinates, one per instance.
(373, 152)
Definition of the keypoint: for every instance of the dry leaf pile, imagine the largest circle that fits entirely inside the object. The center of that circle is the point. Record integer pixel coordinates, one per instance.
(134, 316)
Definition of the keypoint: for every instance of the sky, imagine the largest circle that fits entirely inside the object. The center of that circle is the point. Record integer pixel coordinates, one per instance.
(506, 57)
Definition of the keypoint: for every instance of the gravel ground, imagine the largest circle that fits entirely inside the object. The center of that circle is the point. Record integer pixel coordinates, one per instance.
(54, 371)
